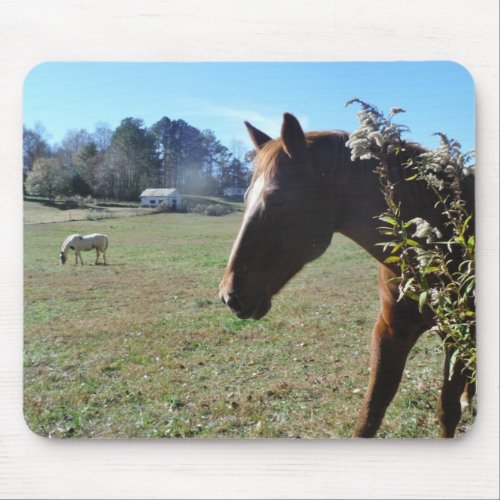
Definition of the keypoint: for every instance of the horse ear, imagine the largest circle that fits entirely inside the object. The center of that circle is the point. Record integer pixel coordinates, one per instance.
(292, 135)
(258, 137)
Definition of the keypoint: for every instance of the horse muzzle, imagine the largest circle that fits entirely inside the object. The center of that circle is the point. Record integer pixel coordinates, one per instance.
(255, 309)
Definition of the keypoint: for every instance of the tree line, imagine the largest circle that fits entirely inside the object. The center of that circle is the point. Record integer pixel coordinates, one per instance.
(119, 164)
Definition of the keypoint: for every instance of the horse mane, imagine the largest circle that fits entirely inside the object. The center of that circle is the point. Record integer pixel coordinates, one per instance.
(272, 152)
(269, 156)
(331, 153)
(68, 240)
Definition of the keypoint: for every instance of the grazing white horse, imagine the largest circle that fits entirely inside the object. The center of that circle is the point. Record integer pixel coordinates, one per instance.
(80, 243)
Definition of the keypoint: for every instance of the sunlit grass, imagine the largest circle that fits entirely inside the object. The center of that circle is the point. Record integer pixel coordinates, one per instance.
(143, 347)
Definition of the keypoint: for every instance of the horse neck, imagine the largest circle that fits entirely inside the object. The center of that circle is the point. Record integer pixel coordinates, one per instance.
(359, 200)
(65, 247)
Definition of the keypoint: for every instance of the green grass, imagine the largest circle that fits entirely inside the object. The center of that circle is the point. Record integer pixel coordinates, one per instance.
(143, 348)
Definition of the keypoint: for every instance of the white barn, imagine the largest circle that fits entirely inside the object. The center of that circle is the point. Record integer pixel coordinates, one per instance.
(155, 197)
(233, 192)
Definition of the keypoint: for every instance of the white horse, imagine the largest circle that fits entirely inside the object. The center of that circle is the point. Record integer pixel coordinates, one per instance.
(80, 243)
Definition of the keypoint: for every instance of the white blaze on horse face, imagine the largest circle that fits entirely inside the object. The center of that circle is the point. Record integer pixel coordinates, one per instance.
(255, 193)
(251, 201)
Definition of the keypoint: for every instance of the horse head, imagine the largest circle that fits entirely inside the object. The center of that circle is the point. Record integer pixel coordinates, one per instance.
(287, 222)
(62, 258)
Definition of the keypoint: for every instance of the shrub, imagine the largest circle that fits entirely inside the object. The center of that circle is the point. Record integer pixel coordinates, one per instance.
(217, 210)
(213, 209)
(48, 178)
(420, 251)
(75, 201)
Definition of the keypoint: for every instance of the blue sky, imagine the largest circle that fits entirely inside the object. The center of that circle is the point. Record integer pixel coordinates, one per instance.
(437, 96)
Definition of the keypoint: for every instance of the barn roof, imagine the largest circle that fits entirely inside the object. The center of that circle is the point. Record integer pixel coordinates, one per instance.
(158, 192)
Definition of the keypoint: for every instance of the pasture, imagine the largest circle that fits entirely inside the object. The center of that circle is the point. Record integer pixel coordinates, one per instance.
(38, 212)
(143, 347)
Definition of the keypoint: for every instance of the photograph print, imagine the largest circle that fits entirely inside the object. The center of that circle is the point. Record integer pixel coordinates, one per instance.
(249, 250)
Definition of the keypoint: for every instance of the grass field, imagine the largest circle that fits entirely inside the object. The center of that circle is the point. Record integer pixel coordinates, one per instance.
(42, 212)
(143, 348)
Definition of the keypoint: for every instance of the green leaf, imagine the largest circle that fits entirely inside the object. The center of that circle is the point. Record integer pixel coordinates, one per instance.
(387, 231)
(397, 247)
(470, 243)
(432, 269)
(412, 295)
(453, 361)
(395, 280)
(389, 220)
(392, 258)
(412, 243)
(466, 222)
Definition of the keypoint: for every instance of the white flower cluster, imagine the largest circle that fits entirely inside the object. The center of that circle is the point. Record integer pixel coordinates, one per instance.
(424, 257)
(374, 132)
(362, 139)
(424, 230)
(435, 295)
(469, 170)
(447, 161)
(434, 181)
(392, 133)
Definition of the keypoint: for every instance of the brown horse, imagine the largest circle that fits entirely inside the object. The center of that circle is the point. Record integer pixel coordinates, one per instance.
(304, 188)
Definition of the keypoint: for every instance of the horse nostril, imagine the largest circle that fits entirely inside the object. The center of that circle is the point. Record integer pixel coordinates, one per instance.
(233, 302)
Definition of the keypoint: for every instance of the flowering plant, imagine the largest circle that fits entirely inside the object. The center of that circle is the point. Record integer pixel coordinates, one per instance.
(425, 256)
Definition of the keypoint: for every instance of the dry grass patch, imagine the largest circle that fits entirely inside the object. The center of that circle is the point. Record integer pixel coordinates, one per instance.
(143, 347)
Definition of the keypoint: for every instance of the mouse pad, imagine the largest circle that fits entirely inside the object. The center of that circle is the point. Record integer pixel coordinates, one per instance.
(249, 250)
